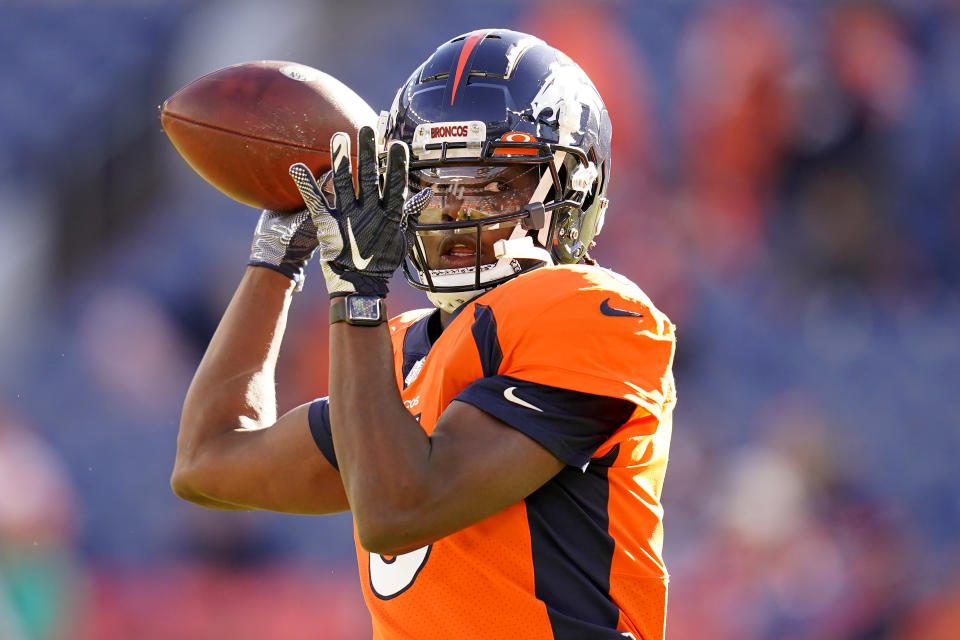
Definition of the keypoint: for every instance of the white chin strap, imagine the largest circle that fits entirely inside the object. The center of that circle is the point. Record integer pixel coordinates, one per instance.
(451, 301)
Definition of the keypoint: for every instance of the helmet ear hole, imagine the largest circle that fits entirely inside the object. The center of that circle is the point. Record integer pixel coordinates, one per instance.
(588, 198)
(563, 173)
(568, 247)
(604, 178)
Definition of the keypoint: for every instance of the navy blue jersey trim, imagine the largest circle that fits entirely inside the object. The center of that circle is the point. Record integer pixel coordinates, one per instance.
(416, 343)
(569, 424)
(572, 552)
(318, 415)
(485, 335)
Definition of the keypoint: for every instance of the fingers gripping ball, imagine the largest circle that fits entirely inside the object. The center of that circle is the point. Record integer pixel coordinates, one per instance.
(363, 239)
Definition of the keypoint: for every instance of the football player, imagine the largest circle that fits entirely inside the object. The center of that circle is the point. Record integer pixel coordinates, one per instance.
(502, 453)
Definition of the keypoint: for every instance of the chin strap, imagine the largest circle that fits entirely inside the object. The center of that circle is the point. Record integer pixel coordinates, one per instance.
(516, 249)
(520, 248)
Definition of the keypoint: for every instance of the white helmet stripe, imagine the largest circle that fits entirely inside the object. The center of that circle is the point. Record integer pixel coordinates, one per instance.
(543, 235)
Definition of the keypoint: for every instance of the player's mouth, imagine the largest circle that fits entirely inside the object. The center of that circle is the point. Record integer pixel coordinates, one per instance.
(458, 251)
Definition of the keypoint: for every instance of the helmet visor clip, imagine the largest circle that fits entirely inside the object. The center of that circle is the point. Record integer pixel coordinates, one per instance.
(536, 217)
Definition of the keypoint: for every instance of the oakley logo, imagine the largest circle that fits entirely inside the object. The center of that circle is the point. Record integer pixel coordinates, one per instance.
(607, 310)
(508, 394)
(517, 136)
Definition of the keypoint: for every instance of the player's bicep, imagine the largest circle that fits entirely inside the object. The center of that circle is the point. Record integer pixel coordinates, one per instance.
(278, 468)
(482, 466)
(503, 438)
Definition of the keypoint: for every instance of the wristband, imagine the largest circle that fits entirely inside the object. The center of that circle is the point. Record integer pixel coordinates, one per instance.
(358, 310)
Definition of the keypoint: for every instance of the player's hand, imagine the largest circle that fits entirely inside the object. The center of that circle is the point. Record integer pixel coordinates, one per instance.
(284, 242)
(364, 238)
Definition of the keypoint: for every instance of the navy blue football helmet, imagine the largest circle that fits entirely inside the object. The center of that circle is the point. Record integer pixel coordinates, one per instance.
(511, 135)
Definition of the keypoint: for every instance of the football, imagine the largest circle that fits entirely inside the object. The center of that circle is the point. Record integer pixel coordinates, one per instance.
(241, 127)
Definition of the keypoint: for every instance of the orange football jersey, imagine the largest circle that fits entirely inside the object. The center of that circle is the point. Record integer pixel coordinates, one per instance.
(557, 353)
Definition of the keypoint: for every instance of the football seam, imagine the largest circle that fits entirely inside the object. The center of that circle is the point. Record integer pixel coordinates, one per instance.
(243, 135)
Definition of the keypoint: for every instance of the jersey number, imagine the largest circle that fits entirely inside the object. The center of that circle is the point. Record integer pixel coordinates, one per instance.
(391, 576)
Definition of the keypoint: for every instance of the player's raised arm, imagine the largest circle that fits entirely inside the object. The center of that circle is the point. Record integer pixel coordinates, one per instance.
(232, 452)
(405, 488)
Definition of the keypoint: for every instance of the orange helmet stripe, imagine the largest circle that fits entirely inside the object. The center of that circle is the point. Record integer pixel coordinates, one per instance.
(468, 46)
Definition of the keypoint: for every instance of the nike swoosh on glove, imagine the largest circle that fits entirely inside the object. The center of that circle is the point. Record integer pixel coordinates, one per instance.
(284, 242)
(363, 239)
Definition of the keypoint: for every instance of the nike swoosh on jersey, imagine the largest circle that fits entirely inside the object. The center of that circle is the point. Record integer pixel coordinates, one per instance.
(508, 394)
(607, 310)
(358, 261)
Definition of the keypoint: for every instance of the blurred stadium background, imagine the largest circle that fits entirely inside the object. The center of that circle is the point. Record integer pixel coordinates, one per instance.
(786, 186)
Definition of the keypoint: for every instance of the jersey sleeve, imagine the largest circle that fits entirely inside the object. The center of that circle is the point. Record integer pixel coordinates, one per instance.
(569, 424)
(569, 356)
(319, 417)
(589, 330)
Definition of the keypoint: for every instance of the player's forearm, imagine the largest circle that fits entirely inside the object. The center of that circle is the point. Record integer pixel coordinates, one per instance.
(234, 384)
(381, 449)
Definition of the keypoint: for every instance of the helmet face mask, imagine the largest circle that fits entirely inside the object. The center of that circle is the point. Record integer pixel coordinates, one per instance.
(487, 111)
(462, 193)
(472, 207)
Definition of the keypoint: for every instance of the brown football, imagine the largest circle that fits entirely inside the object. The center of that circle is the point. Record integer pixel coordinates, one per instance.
(243, 126)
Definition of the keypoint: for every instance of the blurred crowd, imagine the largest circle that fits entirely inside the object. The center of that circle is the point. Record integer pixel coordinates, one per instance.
(786, 187)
